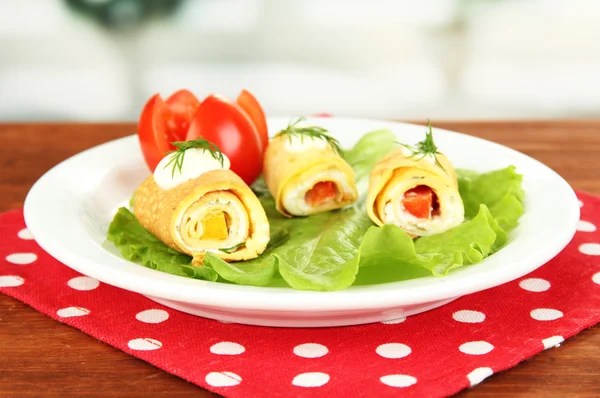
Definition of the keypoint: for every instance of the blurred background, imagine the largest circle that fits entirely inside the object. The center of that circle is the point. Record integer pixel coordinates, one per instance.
(100, 60)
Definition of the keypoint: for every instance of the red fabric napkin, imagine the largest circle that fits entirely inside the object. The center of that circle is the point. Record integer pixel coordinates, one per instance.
(436, 353)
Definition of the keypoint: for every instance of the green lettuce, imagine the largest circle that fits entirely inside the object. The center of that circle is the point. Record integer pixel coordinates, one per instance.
(337, 249)
(138, 245)
(492, 209)
(320, 251)
(256, 272)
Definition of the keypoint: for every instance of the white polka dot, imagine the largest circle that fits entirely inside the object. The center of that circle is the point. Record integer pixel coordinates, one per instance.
(393, 350)
(72, 311)
(553, 341)
(580, 203)
(227, 348)
(591, 249)
(476, 347)
(310, 350)
(25, 234)
(398, 380)
(83, 283)
(21, 258)
(11, 281)
(223, 379)
(144, 344)
(469, 316)
(479, 374)
(152, 316)
(596, 278)
(311, 379)
(586, 226)
(394, 321)
(535, 284)
(545, 314)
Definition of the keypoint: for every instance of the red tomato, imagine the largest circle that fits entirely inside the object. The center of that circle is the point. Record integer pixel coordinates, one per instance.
(183, 105)
(151, 131)
(224, 123)
(252, 107)
(164, 122)
(320, 193)
(418, 201)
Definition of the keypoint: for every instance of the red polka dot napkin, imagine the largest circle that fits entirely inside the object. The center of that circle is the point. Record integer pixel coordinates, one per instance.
(436, 353)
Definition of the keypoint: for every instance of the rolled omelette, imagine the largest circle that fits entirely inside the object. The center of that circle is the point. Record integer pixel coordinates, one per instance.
(416, 193)
(307, 176)
(214, 212)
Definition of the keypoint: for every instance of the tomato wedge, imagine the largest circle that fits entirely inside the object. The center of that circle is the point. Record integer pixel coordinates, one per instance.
(320, 193)
(225, 124)
(252, 107)
(151, 131)
(418, 201)
(162, 122)
(183, 105)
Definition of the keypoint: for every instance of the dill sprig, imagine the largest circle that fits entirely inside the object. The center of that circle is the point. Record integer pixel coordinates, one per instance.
(232, 249)
(312, 132)
(176, 160)
(426, 147)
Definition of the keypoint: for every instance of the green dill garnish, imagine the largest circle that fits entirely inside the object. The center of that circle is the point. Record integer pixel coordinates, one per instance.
(313, 132)
(426, 147)
(232, 249)
(176, 160)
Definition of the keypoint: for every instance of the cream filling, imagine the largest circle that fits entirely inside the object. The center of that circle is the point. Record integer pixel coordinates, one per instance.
(294, 201)
(451, 214)
(190, 225)
(301, 143)
(196, 162)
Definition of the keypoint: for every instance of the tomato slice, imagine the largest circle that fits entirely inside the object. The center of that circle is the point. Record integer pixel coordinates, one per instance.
(225, 124)
(164, 122)
(320, 193)
(252, 107)
(183, 105)
(418, 201)
(151, 131)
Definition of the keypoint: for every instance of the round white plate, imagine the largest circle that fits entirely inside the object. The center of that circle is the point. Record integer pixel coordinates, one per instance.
(69, 209)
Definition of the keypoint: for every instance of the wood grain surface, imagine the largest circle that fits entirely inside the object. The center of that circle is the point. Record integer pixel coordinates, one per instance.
(41, 357)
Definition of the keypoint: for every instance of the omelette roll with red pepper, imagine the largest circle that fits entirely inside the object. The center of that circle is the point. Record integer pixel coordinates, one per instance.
(416, 189)
(305, 173)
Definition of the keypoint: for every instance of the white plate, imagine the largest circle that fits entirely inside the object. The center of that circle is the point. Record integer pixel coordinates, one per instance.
(69, 209)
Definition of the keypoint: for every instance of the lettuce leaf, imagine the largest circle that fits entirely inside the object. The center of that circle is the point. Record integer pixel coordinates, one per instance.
(140, 246)
(320, 251)
(333, 250)
(492, 208)
(256, 272)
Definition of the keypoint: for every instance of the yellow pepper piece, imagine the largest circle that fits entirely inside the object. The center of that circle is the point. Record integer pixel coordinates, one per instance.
(215, 226)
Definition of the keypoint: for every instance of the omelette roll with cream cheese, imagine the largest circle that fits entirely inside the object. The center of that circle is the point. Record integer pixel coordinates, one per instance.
(417, 192)
(213, 212)
(307, 175)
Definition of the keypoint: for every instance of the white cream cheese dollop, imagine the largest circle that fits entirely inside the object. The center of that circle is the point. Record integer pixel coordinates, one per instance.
(301, 143)
(196, 162)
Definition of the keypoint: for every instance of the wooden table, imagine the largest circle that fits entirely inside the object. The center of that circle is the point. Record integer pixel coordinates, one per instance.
(41, 357)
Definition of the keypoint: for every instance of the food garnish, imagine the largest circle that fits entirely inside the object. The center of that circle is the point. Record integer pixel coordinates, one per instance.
(232, 249)
(426, 147)
(313, 132)
(239, 128)
(176, 161)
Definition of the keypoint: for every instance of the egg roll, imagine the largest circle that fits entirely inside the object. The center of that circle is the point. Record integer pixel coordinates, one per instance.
(308, 178)
(215, 212)
(416, 192)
